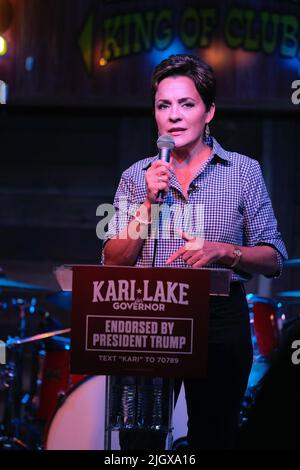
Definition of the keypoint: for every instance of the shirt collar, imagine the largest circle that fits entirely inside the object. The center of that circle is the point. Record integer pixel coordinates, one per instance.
(219, 151)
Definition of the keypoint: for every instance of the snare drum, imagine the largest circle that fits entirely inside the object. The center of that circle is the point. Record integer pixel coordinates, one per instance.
(54, 378)
(265, 335)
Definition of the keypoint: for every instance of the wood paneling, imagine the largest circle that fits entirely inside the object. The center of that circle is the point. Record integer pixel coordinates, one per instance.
(48, 32)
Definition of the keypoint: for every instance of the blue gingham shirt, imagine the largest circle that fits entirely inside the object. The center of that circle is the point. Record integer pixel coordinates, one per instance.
(235, 204)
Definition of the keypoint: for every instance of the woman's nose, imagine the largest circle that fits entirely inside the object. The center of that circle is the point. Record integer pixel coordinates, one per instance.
(174, 115)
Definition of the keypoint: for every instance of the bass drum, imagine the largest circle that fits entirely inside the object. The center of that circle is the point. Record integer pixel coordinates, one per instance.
(79, 421)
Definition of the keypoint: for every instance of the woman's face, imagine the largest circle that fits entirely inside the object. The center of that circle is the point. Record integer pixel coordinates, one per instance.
(180, 111)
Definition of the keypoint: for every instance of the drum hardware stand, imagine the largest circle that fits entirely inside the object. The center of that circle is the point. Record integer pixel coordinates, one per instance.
(11, 422)
(35, 402)
(134, 400)
(12, 385)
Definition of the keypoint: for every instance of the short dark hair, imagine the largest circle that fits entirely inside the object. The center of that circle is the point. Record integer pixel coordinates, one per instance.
(190, 66)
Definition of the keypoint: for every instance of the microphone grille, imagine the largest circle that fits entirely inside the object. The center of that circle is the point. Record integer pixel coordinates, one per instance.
(165, 141)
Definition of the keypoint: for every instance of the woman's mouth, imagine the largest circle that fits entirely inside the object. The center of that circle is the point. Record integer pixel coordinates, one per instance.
(176, 130)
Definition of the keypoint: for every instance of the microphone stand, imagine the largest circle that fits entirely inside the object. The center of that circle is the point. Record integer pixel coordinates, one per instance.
(162, 388)
(156, 235)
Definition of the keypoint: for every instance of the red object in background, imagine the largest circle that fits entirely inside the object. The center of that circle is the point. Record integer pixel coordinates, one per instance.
(265, 326)
(55, 381)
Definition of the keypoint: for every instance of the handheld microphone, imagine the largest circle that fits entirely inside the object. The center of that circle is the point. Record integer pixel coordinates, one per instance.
(165, 144)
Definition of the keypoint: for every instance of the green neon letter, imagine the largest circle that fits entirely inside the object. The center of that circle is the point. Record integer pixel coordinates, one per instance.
(142, 31)
(234, 21)
(208, 24)
(189, 18)
(269, 31)
(163, 25)
(111, 49)
(251, 41)
(290, 35)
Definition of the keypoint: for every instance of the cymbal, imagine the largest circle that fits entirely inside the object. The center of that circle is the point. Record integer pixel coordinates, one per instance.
(253, 298)
(292, 263)
(10, 284)
(61, 299)
(49, 334)
(291, 294)
(290, 297)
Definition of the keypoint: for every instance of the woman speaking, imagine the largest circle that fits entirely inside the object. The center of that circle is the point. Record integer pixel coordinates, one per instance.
(239, 232)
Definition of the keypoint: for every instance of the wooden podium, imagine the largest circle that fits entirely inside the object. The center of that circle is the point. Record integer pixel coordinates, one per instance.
(141, 327)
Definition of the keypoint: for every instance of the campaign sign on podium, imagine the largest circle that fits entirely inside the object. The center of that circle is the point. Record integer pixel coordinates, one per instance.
(139, 321)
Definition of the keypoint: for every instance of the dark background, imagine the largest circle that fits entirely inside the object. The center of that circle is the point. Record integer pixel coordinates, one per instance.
(69, 130)
(66, 135)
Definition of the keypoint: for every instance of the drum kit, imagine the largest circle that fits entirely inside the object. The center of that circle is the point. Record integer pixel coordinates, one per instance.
(65, 411)
(24, 409)
(267, 321)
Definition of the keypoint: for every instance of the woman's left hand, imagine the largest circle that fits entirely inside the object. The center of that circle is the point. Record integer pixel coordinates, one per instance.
(197, 252)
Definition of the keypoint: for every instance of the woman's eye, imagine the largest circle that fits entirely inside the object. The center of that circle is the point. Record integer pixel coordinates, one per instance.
(184, 105)
(162, 106)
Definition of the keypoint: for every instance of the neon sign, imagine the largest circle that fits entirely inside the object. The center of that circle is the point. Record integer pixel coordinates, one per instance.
(138, 32)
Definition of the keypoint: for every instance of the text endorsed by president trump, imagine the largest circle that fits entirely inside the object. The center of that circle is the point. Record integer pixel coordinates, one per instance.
(137, 321)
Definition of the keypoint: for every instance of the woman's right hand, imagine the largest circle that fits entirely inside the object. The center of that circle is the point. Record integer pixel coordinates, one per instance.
(157, 179)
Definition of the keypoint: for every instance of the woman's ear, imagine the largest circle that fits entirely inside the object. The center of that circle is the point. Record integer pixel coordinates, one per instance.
(210, 113)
